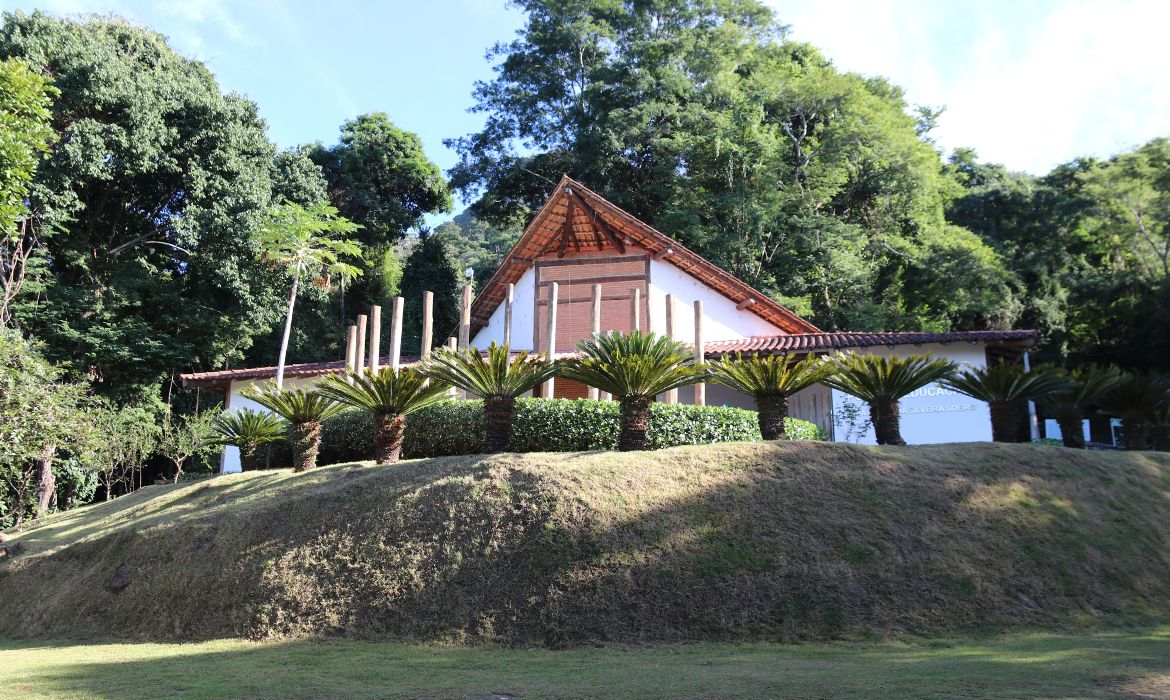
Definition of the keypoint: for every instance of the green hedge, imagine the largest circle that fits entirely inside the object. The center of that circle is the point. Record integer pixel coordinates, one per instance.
(456, 427)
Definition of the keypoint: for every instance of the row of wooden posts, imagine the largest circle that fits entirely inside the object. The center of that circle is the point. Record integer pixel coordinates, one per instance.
(357, 340)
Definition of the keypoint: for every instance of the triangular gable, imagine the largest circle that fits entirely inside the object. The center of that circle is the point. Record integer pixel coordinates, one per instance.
(577, 218)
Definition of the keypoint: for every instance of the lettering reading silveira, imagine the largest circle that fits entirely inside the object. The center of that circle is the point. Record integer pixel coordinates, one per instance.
(944, 408)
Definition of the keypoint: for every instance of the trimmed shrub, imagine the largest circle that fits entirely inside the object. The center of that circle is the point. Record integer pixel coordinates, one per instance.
(456, 427)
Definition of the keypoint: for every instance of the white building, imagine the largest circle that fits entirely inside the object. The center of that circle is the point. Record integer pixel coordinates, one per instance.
(644, 279)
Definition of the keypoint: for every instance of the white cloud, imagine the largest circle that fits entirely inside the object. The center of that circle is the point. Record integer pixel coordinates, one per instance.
(1027, 84)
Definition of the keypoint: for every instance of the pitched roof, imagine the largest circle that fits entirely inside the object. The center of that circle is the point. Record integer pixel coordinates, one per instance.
(578, 217)
(765, 344)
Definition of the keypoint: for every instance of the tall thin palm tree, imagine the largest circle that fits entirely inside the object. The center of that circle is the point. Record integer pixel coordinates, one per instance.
(770, 379)
(307, 241)
(882, 382)
(1135, 400)
(389, 396)
(498, 378)
(1007, 387)
(304, 410)
(634, 367)
(248, 430)
(1069, 406)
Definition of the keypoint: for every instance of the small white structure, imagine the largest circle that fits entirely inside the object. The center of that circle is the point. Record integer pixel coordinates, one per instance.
(614, 272)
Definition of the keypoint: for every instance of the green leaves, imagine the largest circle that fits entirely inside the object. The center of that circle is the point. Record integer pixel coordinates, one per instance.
(633, 365)
(387, 393)
(496, 375)
(310, 240)
(877, 378)
(1006, 383)
(768, 375)
(294, 404)
(248, 428)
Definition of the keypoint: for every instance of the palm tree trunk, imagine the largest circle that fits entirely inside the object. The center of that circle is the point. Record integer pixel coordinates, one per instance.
(1136, 437)
(772, 410)
(498, 412)
(388, 438)
(47, 483)
(292, 299)
(1071, 433)
(635, 421)
(248, 454)
(1006, 418)
(306, 441)
(887, 422)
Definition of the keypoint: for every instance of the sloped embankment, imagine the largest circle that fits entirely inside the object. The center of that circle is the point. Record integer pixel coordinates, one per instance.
(749, 541)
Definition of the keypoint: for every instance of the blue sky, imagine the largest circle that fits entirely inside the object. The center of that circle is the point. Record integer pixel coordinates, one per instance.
(1029, 83)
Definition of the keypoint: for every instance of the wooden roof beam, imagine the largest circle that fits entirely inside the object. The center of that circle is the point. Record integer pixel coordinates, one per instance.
(598, 223)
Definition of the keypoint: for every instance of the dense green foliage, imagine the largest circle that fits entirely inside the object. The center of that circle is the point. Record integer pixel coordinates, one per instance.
(476, 244)
(429, 269)
(456, 428)
(702, 119)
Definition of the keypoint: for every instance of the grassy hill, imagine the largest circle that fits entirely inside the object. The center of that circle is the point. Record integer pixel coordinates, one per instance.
(733, 542)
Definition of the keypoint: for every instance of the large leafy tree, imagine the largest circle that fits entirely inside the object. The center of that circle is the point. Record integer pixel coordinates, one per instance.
(701, 118)
(429, 268)
(145, 208)
(25, 135)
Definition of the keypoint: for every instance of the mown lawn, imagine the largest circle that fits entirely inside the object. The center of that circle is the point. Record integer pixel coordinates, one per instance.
(1115, 665)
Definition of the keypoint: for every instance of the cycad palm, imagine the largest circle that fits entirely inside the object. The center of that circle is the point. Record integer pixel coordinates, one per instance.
(1087, 387)
(1006, 387)
(634, 367)
(389, 396)
(1135, 400)
(770, 379)
(881, 382)
(304, 410)
(248, 430)
(498, 378)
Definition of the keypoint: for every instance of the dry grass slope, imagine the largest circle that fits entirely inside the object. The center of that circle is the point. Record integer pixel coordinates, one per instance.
(731, 542)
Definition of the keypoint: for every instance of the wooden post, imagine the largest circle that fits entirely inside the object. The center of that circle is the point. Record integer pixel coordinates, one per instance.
(672, 395)
(360, 361)
(451, 345)
(396, 334)
(551, 332)
(428, 324)
(351, 349)
(465, 317)
(595, 327)
(375, 337)
(536, 317)
(509, 298)
(700, 353)
(635, 309)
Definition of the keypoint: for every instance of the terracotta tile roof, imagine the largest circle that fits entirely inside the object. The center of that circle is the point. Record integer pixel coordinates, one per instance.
(765, 344)
(811, 342)
(577, 216)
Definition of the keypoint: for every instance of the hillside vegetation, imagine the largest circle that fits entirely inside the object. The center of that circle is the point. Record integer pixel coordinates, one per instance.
(757, 541)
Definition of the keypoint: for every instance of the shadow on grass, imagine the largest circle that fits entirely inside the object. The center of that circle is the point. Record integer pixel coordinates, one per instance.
(1104, 666)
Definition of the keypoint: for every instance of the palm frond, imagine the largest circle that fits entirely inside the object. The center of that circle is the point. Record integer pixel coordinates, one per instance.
(294, 404)
(1087, 387)
(633, 364)
(248, 427)
(1006, 383)
(1136, 396)
(768, 375)
(386, 393)
(496, 375)
(877, 378)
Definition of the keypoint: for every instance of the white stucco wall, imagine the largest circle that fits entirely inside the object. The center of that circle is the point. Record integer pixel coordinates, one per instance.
(521, 317)
(231, 455)
(930, 415)
(721, 320)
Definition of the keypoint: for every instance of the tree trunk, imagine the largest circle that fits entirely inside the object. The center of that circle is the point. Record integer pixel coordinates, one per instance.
(292, 299)
(1071, 433)
(498, 412)
(772, 410)
(47, 483)
(887, 422)
(1005, 421)
(248, 456)
(306, 440)
(1136, 437)
(635, 421)
(388, 439)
